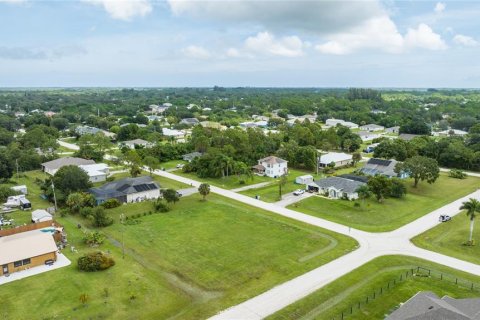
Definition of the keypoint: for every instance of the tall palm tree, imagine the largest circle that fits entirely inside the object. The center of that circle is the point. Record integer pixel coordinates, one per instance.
(473, 207)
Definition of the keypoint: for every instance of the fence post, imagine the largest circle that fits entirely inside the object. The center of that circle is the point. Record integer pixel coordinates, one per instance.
(342, 315)
(381, 290)
(401, 277)
(429, 272)
(418, 269)
(366, 301)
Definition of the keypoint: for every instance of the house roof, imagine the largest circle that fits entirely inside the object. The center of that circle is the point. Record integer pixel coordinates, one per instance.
(339, 183)
(25, 245)
(190, 120)
(96, 169)
(335, 157)
(172, 132)
(408, 136)
(67, 161)
(428, 306)
(372, 125)
(376, 166)
(136, 141)
(272, 160)
(40, 214)
(124, 187)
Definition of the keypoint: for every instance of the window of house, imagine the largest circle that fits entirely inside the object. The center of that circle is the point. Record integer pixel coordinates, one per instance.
(17, 264)
(26, 261)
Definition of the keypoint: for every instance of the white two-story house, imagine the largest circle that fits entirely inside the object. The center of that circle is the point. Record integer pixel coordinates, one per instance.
(271, 166)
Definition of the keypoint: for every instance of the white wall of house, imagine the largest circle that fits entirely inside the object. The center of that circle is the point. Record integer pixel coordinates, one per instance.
(275, 170)
(141, 196)
(334, 193)
(98, 178)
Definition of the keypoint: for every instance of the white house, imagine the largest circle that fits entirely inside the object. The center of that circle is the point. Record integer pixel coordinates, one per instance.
(368, 135)
(272, 167)
(177, 134)
(97, 172)
(339, 158)
(372, 127)
(41, 216)
(336, 187)
(51, 167)
(137, 142)
(450, 133)
(334, 122)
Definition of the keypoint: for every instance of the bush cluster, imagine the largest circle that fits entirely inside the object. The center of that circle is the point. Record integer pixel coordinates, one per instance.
(111, 203)
(95, 261)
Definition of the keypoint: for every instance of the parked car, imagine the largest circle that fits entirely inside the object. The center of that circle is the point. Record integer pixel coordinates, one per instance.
(298, 192)
(180, 166)
(444, 218)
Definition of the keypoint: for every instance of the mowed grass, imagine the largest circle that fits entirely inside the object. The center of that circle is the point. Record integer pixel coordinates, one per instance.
(392, 213)
(189, 263)
(330, 301)
(448, 238)
(230, 182)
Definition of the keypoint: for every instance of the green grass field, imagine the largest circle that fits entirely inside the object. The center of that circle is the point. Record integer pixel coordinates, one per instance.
(172, 164)
(392, 213)
(231, 182)
(189, 263)
(448, 238)
(337, 297)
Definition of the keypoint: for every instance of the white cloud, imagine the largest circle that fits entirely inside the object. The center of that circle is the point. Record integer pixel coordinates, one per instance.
(424, 37)
(306, 15)
(233, 53)
(13, 1)
(466, 41)
(439, 7)
(266, 43)
(196, 52)
(124, 9)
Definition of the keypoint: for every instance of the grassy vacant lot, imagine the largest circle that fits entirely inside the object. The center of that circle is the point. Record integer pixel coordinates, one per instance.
(393, 213)
(448, 238)
(188, 263)
(337, 297)
(171, 164)
(231, 182)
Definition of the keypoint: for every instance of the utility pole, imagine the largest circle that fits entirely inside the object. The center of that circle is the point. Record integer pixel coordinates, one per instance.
(54, 196)
(16, 162)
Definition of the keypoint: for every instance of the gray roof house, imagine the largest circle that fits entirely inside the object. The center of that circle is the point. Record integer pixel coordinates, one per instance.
(408, 136)
(190, 121)
(336, 187)
(190, 156)
(51, 167)
(428, 306)
(372, 127)
(382, 167)
(127, 190)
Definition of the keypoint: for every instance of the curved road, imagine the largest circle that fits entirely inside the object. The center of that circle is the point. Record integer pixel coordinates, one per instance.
(371, 245)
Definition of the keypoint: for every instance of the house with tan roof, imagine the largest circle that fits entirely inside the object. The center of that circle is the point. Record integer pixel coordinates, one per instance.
(271, 166)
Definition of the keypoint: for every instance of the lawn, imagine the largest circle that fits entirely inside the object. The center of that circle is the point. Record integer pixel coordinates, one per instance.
(189, 263)
(231, 182)
(393, 213)
(171, 164)
(330, 301)
(448, 238)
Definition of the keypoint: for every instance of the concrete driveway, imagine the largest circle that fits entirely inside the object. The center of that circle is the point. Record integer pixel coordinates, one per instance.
(290, 198)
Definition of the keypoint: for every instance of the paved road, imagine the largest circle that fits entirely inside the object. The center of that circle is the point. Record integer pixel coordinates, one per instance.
(290, 198)
(371, 245)
(468, 173)
(67, 145)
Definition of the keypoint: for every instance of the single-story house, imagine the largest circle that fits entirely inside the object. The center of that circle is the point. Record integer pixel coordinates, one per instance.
(190, 156)
(40, 215)
(393, 130)
(368, 135)
(339, 158)
(82, 130)
(427, 305)
(22, 189)
(335, 122)
(190, 121)
(372, 127)
(382, 167)
(51, 167)
(247, 124)
(97, 172)
(271, 166)
(336, 187)
(451, 133)
(177, 134)
(306, 179)
(127, 190)
(213, 125)
(408, 136)
(26, 250)
(136, 143)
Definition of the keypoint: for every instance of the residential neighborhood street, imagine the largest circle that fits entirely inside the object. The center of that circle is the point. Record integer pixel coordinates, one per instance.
(371, 245)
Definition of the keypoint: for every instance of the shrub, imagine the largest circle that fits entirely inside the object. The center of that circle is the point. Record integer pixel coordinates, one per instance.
(160, 206)
(356, 204)
(100, 217)
(86, 212)
(111, 203)
(94, 238)
(95, 261)
(110, 179)
(457, 174)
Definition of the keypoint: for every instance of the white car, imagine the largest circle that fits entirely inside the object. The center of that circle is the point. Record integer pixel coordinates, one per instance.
(298, 192)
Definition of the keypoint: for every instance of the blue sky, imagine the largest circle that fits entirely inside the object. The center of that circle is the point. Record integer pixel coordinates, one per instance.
(239, 43)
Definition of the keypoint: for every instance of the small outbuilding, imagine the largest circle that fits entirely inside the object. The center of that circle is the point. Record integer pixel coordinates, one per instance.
(40, 215)
(22, 189)
(306, 179)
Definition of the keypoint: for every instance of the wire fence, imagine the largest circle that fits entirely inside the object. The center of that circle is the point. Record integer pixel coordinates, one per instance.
(413, 273)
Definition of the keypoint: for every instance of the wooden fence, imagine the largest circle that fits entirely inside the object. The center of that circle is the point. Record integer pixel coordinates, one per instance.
(29, 227)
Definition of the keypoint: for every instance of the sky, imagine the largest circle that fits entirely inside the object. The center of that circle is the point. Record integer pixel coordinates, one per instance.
(191, 43)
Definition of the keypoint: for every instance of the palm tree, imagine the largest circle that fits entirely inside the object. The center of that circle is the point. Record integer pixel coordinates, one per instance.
(281, 183)
(472, 206)
(364, 192)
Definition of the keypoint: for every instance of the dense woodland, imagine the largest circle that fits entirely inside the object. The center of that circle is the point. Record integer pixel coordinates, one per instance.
(28, 136)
